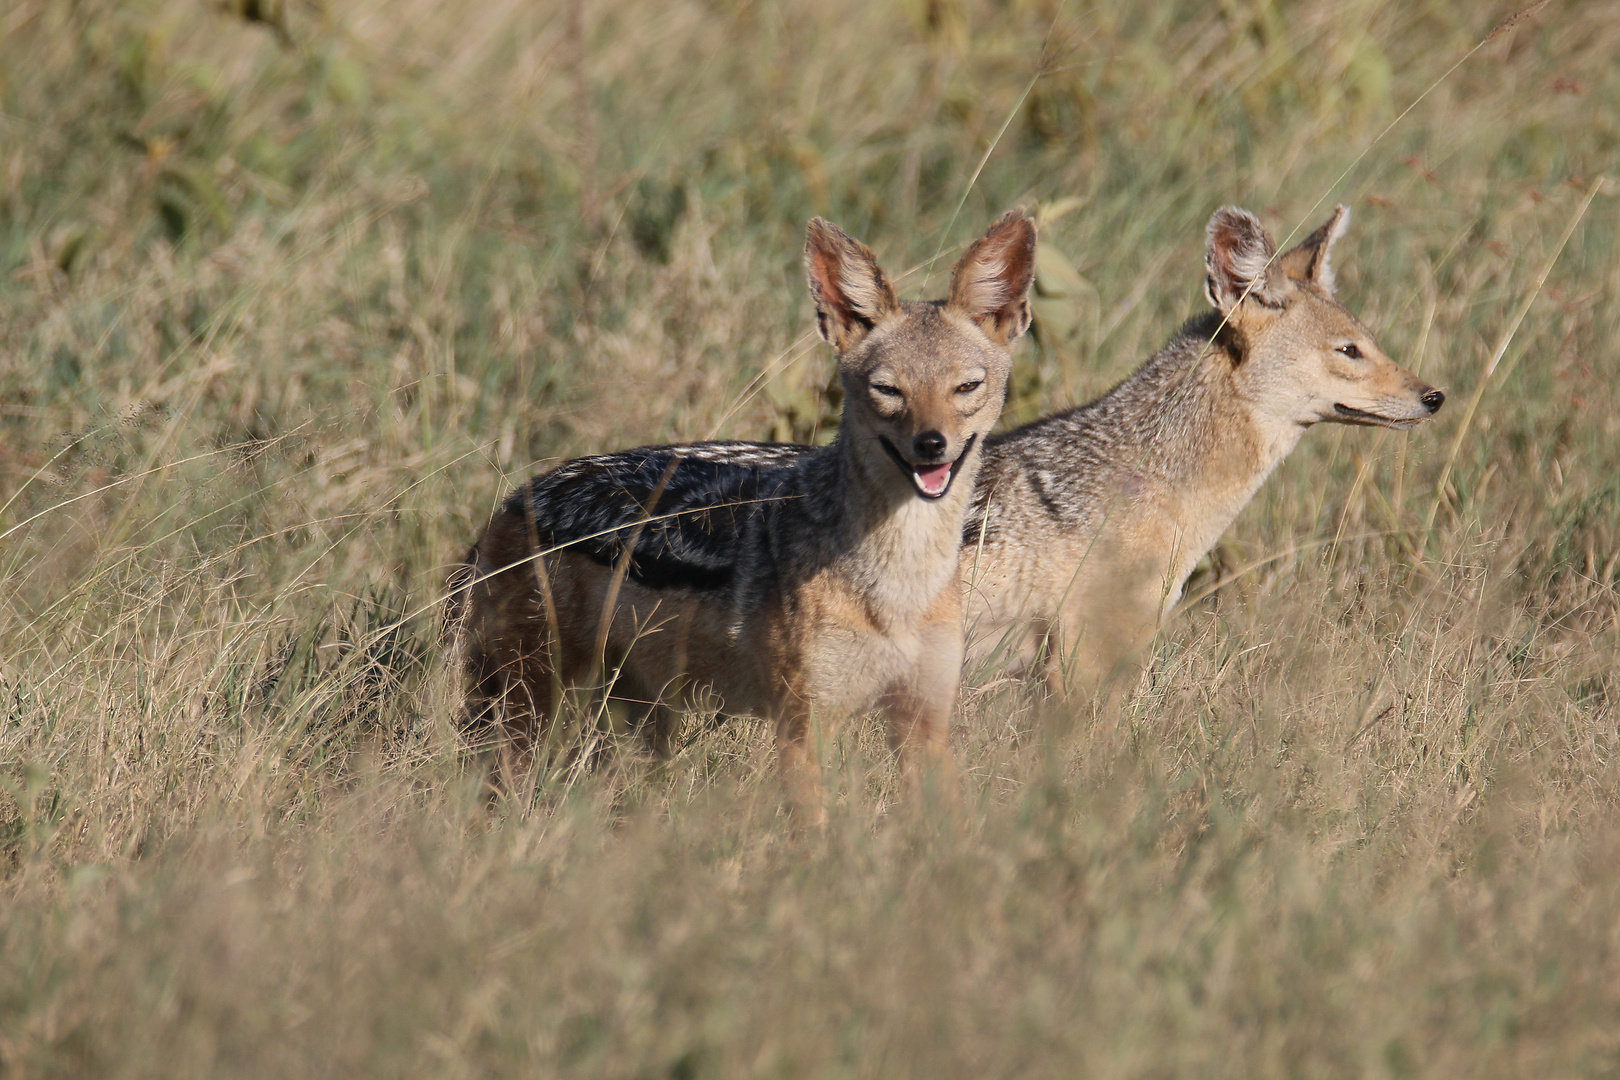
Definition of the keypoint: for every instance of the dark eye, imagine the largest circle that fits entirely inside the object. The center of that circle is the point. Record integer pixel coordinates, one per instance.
(969, 387)
(886, 390)
(1351, 351)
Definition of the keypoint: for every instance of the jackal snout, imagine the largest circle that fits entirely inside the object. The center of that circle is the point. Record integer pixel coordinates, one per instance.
(928, 417)
(923, 382)
(1366, 387)
(1309, 360)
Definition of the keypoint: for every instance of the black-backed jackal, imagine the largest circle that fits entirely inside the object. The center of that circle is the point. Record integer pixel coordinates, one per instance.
(805, 587)
(1087, 524)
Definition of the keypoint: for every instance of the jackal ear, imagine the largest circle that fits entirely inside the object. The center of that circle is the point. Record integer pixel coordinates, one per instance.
(1238, 261)
(990, 284)
(1309, 259)
(850, 290)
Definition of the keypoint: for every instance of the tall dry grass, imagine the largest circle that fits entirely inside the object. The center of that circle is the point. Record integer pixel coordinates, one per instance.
(288, 303)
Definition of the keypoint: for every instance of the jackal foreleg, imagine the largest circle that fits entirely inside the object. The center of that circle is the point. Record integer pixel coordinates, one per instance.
(919, 710)
(800, 766)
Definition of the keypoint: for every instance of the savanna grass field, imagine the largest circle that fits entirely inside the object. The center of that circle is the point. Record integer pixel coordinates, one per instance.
(292, 292)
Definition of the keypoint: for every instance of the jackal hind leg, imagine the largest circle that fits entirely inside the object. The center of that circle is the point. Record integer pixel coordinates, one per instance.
(660, 726)
(508, 711)
(1079, 661)
(524, 698)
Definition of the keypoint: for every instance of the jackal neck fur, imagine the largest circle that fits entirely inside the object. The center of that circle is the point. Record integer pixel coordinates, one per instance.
(1175, 438)
(896, 550)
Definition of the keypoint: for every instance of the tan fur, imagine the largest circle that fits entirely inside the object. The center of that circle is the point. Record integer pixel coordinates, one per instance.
(843, 589)
(1091, 521)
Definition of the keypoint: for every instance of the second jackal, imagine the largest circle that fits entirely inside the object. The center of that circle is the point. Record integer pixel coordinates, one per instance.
(1088, 523)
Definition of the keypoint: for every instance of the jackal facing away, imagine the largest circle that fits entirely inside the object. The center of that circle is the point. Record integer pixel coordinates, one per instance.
(1087, 524)
(804, 586)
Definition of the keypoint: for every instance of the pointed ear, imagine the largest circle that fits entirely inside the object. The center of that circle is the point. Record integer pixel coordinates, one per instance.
(1237, 262)
(990, 284)
(1309, 259)
(850, 290)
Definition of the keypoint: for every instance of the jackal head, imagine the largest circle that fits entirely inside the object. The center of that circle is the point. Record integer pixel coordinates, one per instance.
(924, 382)
(1305, 358)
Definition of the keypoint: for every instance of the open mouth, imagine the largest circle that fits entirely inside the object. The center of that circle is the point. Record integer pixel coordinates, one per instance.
(932, 481)
(1361, 416)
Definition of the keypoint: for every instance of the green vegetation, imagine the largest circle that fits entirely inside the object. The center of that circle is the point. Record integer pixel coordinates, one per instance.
(291, 291)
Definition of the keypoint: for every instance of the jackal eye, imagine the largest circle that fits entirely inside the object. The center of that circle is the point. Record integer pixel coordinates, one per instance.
(886, 390)
(969, 387)
(1351, 351)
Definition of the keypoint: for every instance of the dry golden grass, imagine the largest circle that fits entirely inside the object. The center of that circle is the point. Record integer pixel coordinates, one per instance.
(287, 306)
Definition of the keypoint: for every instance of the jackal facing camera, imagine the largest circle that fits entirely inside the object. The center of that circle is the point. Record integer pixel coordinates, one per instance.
(805, 587)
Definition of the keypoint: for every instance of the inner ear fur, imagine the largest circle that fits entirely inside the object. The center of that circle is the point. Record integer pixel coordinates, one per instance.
(1239, 262)
(1310, 259)
(851, 292)
(990, 284)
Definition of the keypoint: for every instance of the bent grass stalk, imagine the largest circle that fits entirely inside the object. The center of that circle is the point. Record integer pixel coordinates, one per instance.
(1500, 351)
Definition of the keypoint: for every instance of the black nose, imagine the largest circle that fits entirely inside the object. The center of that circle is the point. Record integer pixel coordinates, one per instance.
(1433, 400)
(930, 444)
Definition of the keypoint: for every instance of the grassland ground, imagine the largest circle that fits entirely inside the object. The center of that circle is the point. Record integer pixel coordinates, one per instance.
(292, 292)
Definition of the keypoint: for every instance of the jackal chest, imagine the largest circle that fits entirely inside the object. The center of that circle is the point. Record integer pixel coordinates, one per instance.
(840, 651)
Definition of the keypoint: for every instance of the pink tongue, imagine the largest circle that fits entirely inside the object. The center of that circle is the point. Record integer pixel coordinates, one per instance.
(933, 478)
